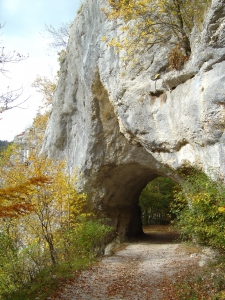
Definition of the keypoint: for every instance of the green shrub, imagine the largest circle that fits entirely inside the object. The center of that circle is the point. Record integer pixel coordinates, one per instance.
(199, 207)
(26, 270)
(85, 239)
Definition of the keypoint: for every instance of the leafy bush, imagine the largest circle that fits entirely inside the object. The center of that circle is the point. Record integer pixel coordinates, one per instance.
(200, 207)
(85, 239)
(22, 267)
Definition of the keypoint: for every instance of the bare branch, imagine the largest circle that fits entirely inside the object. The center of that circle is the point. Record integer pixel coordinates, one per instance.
(9, 57)
(60, 36)
(8, 100)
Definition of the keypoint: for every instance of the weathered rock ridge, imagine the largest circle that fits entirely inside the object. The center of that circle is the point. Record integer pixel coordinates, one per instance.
(120, 128)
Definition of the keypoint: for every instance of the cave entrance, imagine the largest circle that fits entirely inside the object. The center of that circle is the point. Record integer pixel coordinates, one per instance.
(121, 187)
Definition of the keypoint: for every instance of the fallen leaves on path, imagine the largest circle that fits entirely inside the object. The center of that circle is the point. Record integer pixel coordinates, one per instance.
(145, 270)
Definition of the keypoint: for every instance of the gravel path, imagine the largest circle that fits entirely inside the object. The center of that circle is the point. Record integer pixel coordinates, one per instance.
(142, 270)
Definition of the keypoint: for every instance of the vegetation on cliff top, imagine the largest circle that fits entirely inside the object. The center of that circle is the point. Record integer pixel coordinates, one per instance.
(148, 23)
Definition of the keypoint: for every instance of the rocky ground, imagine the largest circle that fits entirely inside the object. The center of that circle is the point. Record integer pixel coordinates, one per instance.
(142, 269)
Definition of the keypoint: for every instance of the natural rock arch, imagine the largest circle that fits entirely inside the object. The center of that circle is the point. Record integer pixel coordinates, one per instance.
(119, 170)
(122, 186)
(120, 129)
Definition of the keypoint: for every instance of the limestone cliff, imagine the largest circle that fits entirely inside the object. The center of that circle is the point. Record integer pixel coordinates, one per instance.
(120, 128)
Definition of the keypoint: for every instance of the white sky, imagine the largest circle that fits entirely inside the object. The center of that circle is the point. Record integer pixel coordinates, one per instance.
(23, 32)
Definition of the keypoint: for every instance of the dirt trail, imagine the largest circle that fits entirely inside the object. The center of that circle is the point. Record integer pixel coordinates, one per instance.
(142, 269)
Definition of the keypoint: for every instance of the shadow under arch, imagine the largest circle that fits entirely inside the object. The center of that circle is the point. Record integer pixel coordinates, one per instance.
(122, 186)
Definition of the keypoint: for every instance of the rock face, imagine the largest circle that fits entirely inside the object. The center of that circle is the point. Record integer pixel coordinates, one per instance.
(120, 128)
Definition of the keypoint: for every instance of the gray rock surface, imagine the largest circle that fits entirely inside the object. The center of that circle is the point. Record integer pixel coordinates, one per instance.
(120, 129)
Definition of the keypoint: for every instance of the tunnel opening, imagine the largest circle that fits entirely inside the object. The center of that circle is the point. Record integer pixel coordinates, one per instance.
(155, 202)
(121, 187)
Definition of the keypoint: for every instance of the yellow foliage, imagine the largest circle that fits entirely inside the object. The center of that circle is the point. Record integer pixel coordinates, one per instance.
(14, 200)
(47, 88)
(42, 194)
(155, 22)
(39, 203)
(221, 209)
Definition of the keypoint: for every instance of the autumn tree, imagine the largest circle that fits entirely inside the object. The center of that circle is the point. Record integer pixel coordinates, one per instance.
(14, 197)
(149, 22)
(43, 223)
(44, 199)
(46, 87)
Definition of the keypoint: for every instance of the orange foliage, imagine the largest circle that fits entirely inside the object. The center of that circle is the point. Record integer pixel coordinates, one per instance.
(14, 200)
(15, 210)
